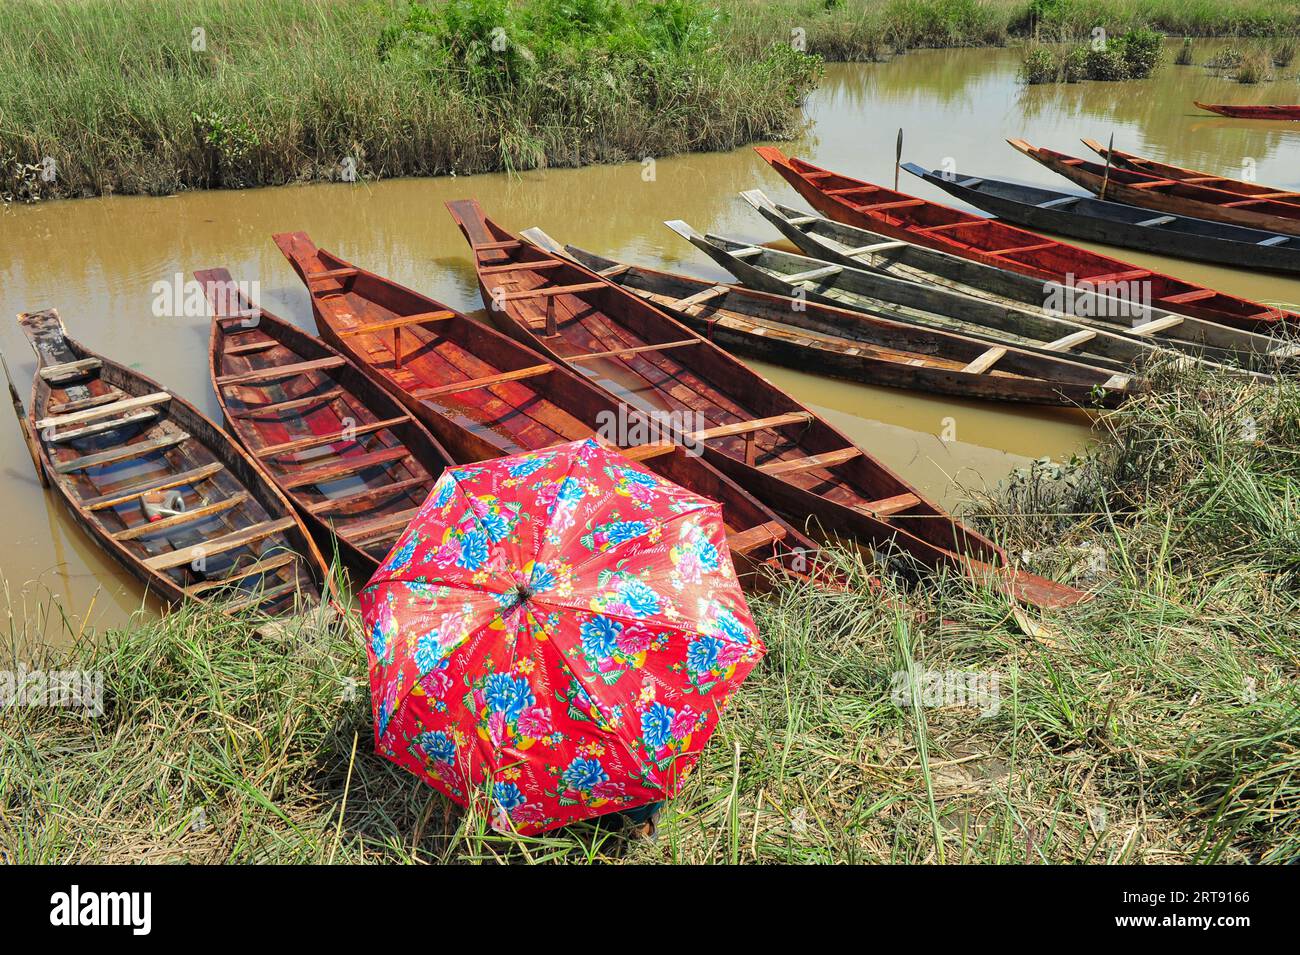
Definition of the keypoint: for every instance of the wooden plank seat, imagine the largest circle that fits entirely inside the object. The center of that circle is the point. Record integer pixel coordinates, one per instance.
(70, 369)
(308, 402)
(874, 247)
(104, 410)
(219, 545)
(262, 567)
(1130, 276)
(1157, 325)
(885, 206)
(472, 384)
(273, 372)
(64, 407)
(261, 597)
(985, 361)
(699, 298)
(164, 483)
(827, 459)
(747, 541)
(553, 290)
(317, 440)
(400, 322)
(99, 427)
(123, 452)
(1195, 295)
(887, 506)
(172, 521)
(331, 275)
(378, 529)
(1073, 340)
(633, 350)
(517, 266)
(344, 467)
(496, 246)
(756, 424)
(368, 495)
(251, 348)
(1018, 249)
(814, 275)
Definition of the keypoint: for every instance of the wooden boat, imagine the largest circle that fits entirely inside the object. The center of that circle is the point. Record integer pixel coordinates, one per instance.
(769, 443)
(485, 395)
(1169, 195)
(900, 216)
(1003, 328)
(848, 344)
(1162, 170)
(354, 462)
(1291, 113)
(1143, 327)
(1113, 223)
(160, 487)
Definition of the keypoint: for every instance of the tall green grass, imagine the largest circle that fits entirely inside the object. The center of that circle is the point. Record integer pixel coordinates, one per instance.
(1159, 722)
(286, 90)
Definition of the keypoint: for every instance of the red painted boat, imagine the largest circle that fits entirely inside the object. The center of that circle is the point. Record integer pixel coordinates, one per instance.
(351, 459)
(1162, 170)
(1168, 195)
(992, 242)
(1291, 113)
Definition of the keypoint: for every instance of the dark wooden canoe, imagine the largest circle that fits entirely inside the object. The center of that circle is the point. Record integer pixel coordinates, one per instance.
(162, 488)
(485, 395)
(901, 216)
(1167, 171)
(1002, 329)
(1130, 327)
(1114, 223)
(354, 462)
(1291, 113)
(1168, 195)
(777, 448)
(809, 336)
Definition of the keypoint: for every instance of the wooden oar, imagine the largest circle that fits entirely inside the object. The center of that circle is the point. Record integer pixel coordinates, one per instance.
(28, 437)
(1105, 179)
(898, 156)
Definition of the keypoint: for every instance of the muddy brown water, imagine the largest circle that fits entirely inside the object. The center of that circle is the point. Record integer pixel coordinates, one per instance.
(98, 260)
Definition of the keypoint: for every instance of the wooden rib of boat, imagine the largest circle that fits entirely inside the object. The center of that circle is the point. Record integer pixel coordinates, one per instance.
(485, 395)
(1167, 171)
(937, 226)
(1168, 195)
(848, 344)
(355, 463)
(1291, 113)
(1114, 223)
(160, 487)
(1084, 304)
(768, 442)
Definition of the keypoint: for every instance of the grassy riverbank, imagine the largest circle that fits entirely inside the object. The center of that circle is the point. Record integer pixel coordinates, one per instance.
(153, 96)
(1158, 723)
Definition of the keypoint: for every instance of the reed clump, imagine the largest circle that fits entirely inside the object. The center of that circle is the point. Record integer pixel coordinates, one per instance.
(1159, 722)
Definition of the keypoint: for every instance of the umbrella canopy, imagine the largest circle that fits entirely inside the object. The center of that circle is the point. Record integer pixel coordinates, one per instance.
(555, 633)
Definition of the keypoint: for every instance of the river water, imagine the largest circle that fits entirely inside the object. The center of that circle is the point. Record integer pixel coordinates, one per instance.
(97, 261)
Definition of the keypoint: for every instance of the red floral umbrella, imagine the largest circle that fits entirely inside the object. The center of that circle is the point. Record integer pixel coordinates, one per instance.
(555, 632)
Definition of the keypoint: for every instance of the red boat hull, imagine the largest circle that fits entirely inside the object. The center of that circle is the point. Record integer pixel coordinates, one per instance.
(1291, 113)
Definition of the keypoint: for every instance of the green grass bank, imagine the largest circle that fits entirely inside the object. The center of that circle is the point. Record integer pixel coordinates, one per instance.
(1159, 723)
(154, 96)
